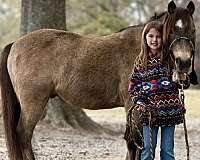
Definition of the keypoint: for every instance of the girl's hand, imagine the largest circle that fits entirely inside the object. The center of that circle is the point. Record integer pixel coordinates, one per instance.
(179, 76)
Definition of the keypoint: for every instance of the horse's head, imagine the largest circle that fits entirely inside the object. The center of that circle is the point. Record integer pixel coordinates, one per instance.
(179, 36)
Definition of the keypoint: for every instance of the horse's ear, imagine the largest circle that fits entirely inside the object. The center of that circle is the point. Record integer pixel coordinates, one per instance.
(191, 7)
(171, 7)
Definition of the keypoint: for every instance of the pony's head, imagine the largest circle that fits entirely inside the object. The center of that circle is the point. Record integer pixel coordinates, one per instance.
(179, 38)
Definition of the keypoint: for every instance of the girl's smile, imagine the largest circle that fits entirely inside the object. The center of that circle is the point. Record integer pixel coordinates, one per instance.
(154, 40)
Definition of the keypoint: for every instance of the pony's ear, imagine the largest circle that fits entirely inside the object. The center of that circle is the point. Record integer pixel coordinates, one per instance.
(171, 7)
(191, 7)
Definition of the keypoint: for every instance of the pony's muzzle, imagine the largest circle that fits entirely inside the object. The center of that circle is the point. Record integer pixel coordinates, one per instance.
(183, 66)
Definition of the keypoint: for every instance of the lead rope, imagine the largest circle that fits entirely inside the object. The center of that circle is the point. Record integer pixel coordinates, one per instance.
(151, 135)
(182, 97)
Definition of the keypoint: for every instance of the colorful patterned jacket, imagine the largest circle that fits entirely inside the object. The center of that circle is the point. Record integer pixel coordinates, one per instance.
(154, 88)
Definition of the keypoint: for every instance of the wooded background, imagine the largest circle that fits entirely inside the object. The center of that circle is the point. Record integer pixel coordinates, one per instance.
(98, 17)
(87, 17)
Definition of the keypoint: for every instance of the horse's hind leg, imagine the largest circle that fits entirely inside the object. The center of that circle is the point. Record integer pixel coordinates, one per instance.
(31, 110)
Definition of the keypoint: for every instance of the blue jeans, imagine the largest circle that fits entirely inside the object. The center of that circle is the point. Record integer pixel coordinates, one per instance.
(166, 146)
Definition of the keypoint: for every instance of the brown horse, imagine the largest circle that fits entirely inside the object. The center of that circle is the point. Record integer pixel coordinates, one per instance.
(90, 72)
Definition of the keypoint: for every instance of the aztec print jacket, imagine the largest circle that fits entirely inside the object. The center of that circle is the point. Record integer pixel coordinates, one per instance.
(155, 89)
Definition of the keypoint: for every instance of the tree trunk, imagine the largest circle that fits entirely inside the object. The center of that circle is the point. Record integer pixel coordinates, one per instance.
(24, 17)
(0, 106)
(37, 14)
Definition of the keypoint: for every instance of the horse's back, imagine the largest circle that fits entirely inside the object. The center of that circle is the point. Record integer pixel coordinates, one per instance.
(42, 39)
(41, 46)
(33, 58)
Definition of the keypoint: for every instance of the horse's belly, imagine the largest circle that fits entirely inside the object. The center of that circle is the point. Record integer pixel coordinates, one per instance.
(92, 99)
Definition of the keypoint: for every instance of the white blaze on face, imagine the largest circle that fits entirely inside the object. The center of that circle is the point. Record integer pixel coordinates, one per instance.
(179, 23)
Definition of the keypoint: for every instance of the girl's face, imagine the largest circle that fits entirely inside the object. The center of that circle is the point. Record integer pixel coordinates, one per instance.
(154, 39)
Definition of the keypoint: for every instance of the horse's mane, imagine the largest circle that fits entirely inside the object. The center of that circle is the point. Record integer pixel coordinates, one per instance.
(156, 16)
(129, 27)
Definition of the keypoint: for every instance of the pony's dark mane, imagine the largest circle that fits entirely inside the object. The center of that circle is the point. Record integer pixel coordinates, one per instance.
(157, 16)
(129, 27)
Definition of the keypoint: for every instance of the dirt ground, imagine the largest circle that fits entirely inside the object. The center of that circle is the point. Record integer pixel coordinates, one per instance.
(51, 143)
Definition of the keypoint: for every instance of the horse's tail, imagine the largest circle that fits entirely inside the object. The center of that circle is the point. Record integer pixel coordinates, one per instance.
(10, 107)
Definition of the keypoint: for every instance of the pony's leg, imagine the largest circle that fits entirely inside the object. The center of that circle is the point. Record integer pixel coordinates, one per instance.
(30, 115)
(132, 151)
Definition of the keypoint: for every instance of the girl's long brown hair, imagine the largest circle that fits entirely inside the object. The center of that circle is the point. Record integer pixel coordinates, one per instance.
(143, 56)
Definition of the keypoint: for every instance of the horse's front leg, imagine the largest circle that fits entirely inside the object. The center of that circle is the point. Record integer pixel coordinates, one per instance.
(133, 135)
(133, 153)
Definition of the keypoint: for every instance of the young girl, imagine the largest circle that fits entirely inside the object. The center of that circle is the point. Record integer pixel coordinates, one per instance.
(151, 87)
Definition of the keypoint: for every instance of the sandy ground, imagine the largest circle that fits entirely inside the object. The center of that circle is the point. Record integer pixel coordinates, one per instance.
(52, 143)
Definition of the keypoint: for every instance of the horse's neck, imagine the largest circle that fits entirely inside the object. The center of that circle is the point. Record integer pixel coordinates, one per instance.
(159, 17)
(131, 38)
(129, 49)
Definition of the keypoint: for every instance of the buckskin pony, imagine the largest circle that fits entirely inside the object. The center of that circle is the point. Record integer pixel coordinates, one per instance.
(90, 72)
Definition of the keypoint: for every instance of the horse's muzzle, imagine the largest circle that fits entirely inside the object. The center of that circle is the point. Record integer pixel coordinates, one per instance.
(182, 66)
